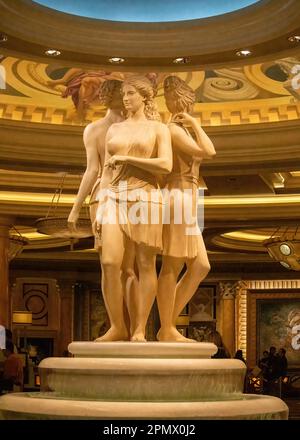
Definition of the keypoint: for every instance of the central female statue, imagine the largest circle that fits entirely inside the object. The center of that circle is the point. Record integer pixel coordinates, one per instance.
(138, 150)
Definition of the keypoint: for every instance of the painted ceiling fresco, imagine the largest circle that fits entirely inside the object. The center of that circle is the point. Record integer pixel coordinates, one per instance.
(57, 94)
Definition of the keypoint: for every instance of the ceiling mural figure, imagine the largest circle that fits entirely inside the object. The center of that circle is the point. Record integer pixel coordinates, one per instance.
(82, 87)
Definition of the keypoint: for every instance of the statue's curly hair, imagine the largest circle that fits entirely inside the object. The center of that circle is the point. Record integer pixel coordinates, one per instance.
(107, 90)
(145, 87)
(182, 94)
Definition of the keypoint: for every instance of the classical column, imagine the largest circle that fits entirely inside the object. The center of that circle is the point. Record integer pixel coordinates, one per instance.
(5, 225)
(228, 292)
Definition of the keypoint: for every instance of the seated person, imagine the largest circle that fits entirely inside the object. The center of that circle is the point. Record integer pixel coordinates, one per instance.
(12, 370)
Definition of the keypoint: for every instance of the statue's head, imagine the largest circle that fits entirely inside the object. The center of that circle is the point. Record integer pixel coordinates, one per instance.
(140, 91)
(110, 94)
(179, 96)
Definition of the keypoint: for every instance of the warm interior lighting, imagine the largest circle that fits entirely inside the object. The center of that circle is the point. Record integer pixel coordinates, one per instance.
(246, 236)
(295, 173)
(52, 52)
(3, 38)
(34, 198)
(181, 60)
(294, 38)
(256, 200)
(116, 60)
(243, 53)
(22, 317)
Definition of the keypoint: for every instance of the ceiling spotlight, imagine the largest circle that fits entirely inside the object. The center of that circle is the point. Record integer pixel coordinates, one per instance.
(116, 60)
(284, 264)
(52, 53)
(294, 38)
(3, 38)
(243, 53)
(181, 60)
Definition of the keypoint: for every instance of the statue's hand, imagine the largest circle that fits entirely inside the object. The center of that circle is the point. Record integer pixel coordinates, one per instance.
(72, 220)
(96, 227)
(184, 119)
(115, 161)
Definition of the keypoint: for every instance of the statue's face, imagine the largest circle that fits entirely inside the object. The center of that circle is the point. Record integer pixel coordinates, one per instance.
(132, 99)
(170, 99)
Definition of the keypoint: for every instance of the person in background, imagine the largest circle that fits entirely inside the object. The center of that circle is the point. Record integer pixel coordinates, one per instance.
(282, 363)
(239, 355)
(13, 369)
(272, 364)
(9, 337)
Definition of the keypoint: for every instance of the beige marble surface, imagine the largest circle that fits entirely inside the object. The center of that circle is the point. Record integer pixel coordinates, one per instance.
(249, 407)
(181, 350)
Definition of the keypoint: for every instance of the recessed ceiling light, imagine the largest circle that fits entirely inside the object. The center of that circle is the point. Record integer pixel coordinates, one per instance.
(284, 264)
(116, 60)
(52, 53)
(3, 38)
(181, 60)
(243, 53)
(294, 38)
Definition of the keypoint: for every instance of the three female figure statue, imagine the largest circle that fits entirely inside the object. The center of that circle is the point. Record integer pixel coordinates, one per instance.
(139, 151)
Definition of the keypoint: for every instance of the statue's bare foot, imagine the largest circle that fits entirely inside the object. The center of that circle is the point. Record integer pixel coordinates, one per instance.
(113, 334)
(172, 335)
(138, 337)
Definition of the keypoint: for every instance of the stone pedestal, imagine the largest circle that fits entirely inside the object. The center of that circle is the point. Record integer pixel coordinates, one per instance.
(150, 380)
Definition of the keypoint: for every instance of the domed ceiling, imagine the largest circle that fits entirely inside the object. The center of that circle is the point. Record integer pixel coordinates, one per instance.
(142, 11)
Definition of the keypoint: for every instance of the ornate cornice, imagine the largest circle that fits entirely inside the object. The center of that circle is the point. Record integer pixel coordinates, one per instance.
(252, 147)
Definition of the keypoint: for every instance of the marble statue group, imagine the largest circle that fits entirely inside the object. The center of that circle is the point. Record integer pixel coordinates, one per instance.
(142, 177)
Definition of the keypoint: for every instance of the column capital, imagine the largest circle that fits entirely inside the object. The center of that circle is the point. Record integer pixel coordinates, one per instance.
(229, 289)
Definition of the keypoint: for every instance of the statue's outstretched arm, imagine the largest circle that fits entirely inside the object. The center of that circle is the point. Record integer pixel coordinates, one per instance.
(90, 175)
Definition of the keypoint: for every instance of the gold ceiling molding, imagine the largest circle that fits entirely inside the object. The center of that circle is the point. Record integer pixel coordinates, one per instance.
(275, 207)
(248, 112)
(245, 112)
(248, 148)
(32, 181)
(212, 41)
(244, 239)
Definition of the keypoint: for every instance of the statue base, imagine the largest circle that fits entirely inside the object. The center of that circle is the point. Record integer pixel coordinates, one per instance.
(135, 380)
